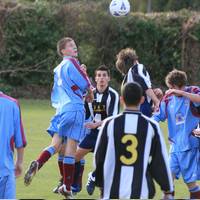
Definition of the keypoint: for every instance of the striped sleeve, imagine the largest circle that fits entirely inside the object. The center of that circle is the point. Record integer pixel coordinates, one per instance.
(100, 153)
(159, 163)
(138, 77)
(144, 74)
(19, 135)
(113, 107)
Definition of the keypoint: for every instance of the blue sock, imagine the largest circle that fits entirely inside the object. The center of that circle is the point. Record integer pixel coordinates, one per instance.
(195, 189)
(60, 158)
(51, 150)
(82, 161)
(69, 160)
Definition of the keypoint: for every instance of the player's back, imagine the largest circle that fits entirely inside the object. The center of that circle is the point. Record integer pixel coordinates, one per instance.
(9, 117)
(132, 140)
(7, 105)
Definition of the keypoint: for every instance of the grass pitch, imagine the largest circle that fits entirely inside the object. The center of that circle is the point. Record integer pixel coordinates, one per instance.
(36, 115)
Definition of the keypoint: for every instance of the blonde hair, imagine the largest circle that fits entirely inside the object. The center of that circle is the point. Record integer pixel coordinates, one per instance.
(61, 44)
(125, 59)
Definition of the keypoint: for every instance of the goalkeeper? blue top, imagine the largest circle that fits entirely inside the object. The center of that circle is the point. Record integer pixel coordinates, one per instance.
(181, 120)
(11, 133)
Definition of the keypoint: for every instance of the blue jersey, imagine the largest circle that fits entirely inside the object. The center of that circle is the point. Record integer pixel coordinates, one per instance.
(11, 133)
(181, 120)
(70, 83)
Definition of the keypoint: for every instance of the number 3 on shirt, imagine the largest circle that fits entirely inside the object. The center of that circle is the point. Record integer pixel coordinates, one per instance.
(130, 148)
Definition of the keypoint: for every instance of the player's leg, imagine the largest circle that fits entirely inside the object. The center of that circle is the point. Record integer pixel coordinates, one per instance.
(71, 126)
(68, 168)
(42, 159)
(78, 173)
(190, 167)
(60, 166)
(174, 167)
(79, 168)
(87, 145)
(83, 149)
(194, 190)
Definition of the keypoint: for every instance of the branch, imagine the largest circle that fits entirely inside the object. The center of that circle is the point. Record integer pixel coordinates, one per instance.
(35, 68)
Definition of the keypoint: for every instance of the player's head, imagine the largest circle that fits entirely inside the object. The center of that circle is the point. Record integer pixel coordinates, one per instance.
(67, 47)
(176, 79)
(132, 94)
(102, 76)
(125, 60)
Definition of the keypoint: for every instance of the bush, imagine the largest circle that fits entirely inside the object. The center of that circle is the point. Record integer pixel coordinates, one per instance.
(31, 32)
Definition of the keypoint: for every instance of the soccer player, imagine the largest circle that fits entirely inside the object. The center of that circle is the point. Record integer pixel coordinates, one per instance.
(105, 104)
(70, 83)
(131, 152)
(177, 107)
(11, 136)
(128, 65)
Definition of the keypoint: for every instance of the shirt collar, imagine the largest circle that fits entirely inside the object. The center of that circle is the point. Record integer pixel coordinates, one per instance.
(104, 92)
(132, 111)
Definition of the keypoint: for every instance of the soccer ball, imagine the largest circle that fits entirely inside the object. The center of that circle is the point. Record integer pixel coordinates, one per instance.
(119, 8)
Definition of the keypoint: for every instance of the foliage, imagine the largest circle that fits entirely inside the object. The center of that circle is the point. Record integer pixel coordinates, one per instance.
(30, 32)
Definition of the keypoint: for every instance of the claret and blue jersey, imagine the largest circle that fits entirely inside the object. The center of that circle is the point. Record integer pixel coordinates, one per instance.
(11, 133)
(70, 83)
(181, 120)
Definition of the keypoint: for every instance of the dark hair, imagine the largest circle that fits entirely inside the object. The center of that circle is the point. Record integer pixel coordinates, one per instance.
(176, 78)
(103, 68)
(125, 59)
(132, 93)
(61, 44)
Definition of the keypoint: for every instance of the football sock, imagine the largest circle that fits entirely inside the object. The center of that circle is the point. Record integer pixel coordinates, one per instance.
(79, 168)
(45, 155)
(82, 161)
(76, 173)
(60, 164)
(68, 171)
(195, 192)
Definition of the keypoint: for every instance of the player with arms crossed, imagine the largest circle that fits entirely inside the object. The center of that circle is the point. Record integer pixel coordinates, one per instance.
(70, 83)
(11, 136)
(131, 152)
(177, 107)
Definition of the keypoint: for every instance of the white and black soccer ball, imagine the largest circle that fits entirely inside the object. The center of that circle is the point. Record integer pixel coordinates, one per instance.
(119, 8)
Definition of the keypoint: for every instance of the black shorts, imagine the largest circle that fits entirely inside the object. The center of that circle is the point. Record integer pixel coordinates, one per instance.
(89, 141)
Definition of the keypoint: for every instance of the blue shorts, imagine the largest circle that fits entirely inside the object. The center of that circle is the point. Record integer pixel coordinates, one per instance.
(71, 125)
(146, 108)
(8, 187)
(187, 164)
(89, 141)
(53, 127)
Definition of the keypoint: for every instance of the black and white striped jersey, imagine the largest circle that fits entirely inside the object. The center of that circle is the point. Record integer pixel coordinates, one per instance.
(130, 153)
(104, 105)
(139, 74)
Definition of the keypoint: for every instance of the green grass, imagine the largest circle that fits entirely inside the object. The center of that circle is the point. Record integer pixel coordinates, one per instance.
(36, 115)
